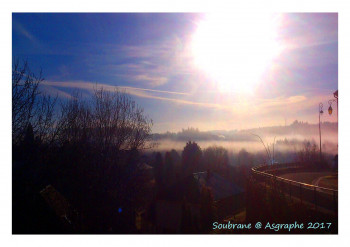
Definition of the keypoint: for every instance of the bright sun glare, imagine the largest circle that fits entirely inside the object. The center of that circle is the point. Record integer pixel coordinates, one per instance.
(235, 49)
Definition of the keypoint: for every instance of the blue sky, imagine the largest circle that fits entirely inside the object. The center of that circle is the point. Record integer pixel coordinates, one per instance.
(179, 82)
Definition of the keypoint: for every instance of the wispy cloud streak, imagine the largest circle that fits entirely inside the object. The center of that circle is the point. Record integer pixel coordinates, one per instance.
(250, 106)
(138, 92)
(20, 29)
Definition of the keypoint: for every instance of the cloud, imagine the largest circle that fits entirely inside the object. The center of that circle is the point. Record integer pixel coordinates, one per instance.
(299, 106)
(318, 55)
(283, 101)
(231, 112)
(249, 106)
(21, 30)
(150, 65)
(148, 73)
(152, 80)
(153, 90)
(36, 47)
(54, 91)
(138, 92)
(91, 85)
(302, 30)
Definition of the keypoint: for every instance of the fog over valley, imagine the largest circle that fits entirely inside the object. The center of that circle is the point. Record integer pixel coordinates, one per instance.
(288, 139)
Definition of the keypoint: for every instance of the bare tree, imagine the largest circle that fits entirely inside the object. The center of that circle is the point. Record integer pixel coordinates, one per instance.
(307, 156)
(109, 122)
(44, 120)
(24, 94)
(216, 159)
(267, 149)
(118, 121)
(30, 105)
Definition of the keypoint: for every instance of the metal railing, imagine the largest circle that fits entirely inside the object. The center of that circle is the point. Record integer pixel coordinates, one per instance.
(320, 197)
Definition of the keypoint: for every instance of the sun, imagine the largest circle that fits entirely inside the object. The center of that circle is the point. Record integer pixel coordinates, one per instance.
(235, 49)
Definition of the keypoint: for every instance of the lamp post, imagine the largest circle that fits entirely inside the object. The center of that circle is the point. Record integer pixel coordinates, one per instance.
(330, 109)
(335, 94)
(320, 111)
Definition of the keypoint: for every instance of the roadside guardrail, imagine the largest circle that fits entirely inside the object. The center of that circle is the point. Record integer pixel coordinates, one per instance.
(320, 197)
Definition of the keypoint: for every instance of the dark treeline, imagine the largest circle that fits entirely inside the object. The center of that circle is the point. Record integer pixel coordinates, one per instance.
(86, 148)
(172, 165)
(234, 166)
(175, 183)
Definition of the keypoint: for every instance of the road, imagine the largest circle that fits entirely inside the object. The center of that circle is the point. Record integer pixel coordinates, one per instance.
(313, 178)
(306, 194)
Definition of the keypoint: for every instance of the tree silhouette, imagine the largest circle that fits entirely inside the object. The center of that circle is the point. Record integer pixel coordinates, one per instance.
(206, 209)
(191, 158)
(159, 170)
(216, 159)
(308, 155)
(169, 168)
(30, 105)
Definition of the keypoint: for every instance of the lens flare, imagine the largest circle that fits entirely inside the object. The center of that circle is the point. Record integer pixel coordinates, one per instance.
(235, 49)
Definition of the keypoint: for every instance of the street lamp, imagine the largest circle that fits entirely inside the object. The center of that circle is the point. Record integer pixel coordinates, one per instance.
(320, 111)
(330, 109)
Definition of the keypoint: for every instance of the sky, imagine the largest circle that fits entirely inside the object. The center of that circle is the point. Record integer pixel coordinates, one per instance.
(210, 71)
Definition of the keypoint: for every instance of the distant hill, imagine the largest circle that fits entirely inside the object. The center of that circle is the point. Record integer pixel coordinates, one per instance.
(299, 130)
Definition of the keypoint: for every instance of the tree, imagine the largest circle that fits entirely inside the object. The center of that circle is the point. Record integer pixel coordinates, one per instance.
(308, 155)
(267, 149)
(75, 121)
(28, 145)
(34, 110)
(159, 170)
(191, 158)
(244, 158)
(24, 94)
(100, 136)
(245, 161)
(89, 146)
(169, 168)
(109, 122)
(119, 121)
(206, 209)
(216, 158)
(30, 105)
(175, 156)
(44, 119)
